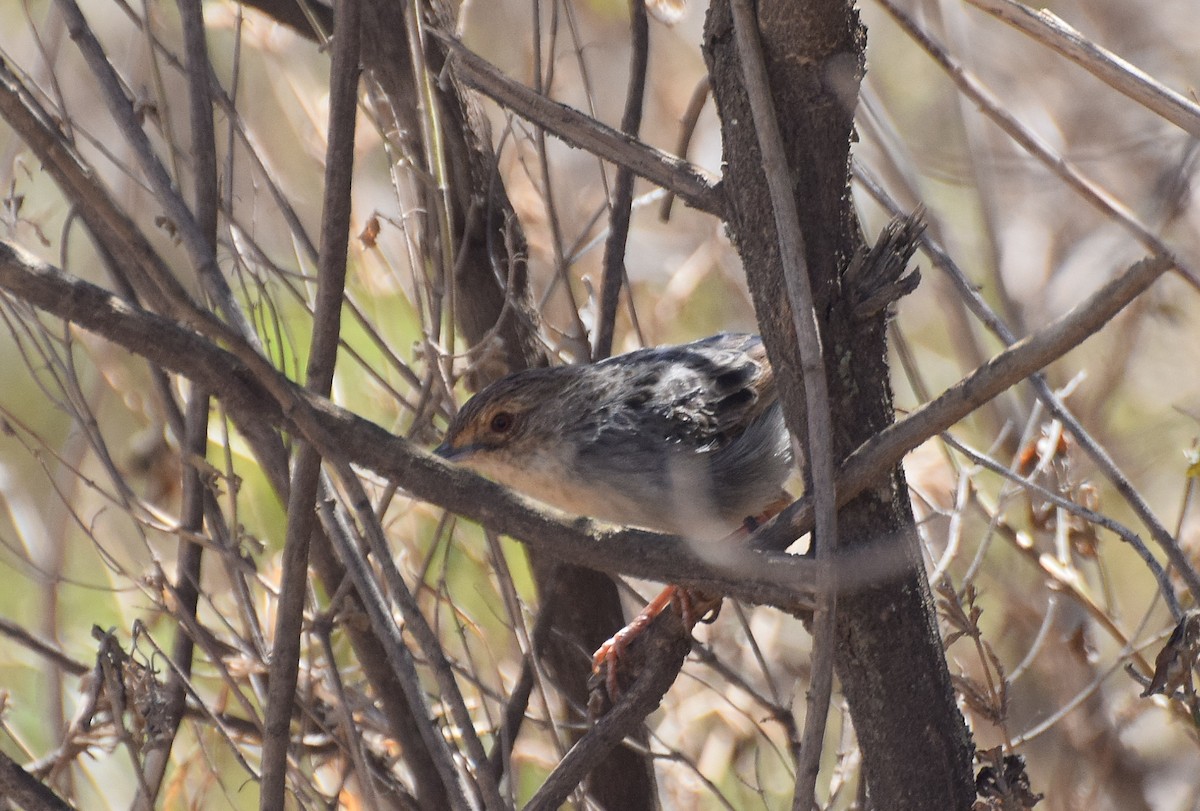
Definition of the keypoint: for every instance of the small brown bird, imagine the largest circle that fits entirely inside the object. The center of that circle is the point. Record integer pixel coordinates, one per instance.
(686, 439)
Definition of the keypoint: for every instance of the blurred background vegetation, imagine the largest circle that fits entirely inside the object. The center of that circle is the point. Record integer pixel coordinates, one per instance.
(1065, 606)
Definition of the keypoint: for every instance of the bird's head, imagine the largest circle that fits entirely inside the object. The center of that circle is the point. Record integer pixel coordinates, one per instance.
(512, 419)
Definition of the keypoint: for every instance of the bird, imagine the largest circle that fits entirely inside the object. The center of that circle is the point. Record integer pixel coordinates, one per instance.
(687, 439)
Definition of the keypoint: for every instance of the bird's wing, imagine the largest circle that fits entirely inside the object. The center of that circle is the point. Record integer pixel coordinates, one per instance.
(705, 393)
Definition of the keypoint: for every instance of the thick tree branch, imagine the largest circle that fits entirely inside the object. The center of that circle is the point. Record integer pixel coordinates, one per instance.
(814, 55)
(17, 785)
(782, 580)
(1022, 359)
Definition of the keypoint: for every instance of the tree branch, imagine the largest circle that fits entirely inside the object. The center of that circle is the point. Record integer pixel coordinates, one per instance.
(613, 278)
(785, 581)
(17, 785)
(584, 132)
(331, 279)
(1049, 29)
(1068, 172)
(1011, 366)
(816, 414)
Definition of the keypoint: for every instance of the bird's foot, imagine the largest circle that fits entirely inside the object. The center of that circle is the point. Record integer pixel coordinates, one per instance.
(693, 608)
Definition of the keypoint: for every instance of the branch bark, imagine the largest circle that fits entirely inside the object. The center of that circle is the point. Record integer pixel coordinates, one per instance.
(491, 300)
(17, 785)
(888, 653)
(331, 279)
(775, 579)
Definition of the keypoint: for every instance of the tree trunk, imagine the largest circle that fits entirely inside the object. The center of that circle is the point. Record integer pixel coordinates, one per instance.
(889, 657)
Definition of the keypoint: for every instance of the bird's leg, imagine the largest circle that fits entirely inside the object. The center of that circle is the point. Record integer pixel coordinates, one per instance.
(694, 608)
(611, 651)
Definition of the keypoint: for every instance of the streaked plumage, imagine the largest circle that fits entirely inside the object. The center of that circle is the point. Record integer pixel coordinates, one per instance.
(686, 439)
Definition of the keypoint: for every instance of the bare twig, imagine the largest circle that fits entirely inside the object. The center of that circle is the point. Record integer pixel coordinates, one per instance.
(331, 280)
(1118, 529)
(687, 127)
(398, 656)
(1054, 404)
(1022, 359)
(1066, 171)
(579, 130)
(323, 629)
(195, 438)
(613, 279)
(820, 431)
(1046, 27)
(204, 260)
(112, 227)
(664, 653)
(381, 618)
(187, 588)
(41, 647)
(518, 698)
(562, 277)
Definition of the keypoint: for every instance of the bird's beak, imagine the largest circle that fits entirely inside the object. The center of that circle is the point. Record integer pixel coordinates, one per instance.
(449, 453)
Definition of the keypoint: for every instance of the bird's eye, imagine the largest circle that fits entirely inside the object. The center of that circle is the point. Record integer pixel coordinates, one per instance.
(502, 422)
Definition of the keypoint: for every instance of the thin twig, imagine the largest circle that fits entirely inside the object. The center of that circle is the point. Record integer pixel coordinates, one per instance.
(820, 431)
(884, 450)
(579, 130)
(399, 658)
(353, 740)
(195, 439)
(331, 280)
(1054, 404)
(1036, 146)
(1049, 29)
(187, 588)
(415, 622)
(47, 650)
(111, 226)
(204, 261)
(613, 279)
(562, 278)
(687, 128)
(664, 662)
(533, 643)
(1091, 516)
